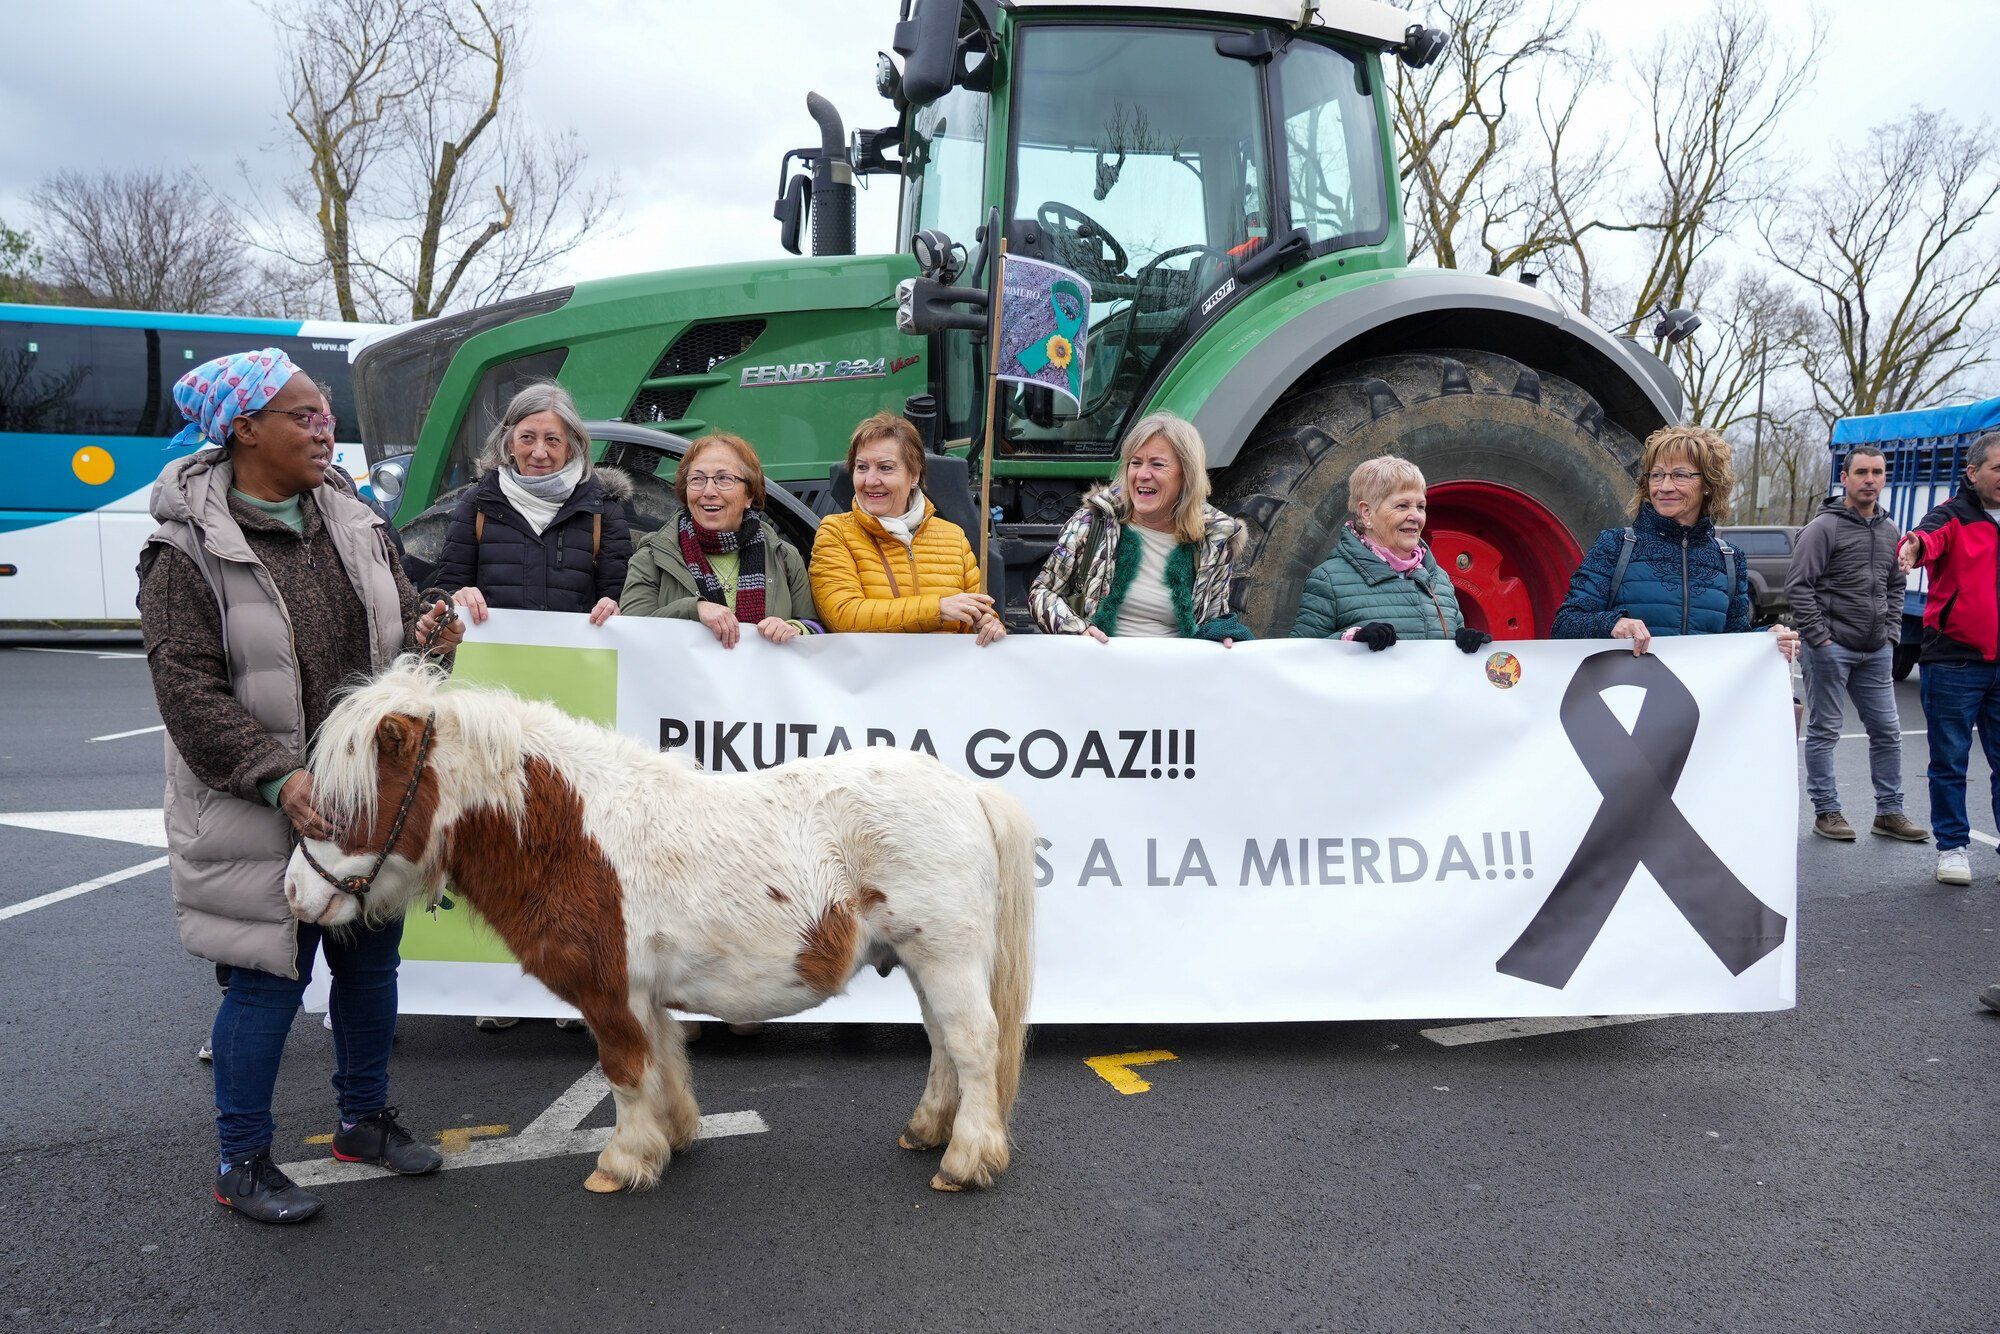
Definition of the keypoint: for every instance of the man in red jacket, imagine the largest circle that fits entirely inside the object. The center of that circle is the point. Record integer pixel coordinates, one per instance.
(1959, 543)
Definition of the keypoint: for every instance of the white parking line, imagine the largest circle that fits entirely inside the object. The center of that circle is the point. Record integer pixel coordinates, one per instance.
(137, 731)
(146, 825)
(1987, 839)
(553, 1134)
(1458, 1035)
(81, 652)
(57, 896)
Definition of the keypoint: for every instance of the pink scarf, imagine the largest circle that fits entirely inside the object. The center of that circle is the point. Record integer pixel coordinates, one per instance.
(1399, 564)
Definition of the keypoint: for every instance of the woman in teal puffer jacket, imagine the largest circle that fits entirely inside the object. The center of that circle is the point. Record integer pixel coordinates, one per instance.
(1381, 583)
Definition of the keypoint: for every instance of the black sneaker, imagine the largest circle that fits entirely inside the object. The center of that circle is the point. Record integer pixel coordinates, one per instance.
(255, 1188)
(377, 1139)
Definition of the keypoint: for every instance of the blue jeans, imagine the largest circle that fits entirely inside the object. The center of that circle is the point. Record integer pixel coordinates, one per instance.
(256, 1013)
(1957, 695)
(1833, 676)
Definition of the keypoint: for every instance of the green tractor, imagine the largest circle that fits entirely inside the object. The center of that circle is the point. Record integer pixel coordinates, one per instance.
(1223, 173)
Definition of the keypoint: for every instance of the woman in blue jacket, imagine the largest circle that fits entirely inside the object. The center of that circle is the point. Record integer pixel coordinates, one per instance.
(1668, 573)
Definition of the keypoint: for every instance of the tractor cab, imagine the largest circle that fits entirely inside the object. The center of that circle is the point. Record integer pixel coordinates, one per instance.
(1175, 156)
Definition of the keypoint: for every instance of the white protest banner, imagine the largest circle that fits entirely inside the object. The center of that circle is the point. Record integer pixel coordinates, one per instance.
(1285, 830)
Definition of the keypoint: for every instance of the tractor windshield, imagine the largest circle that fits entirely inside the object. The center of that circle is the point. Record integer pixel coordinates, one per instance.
(1139, 159)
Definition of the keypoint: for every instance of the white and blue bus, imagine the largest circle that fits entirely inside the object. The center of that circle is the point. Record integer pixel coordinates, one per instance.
(1925, 452)
(86, 416)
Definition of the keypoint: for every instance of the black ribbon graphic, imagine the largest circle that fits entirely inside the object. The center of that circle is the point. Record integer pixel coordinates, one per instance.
(1637, 822)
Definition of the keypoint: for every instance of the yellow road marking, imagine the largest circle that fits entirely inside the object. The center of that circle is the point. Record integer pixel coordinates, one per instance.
(456, 1140)
(1116, 1070)
(460, 1139)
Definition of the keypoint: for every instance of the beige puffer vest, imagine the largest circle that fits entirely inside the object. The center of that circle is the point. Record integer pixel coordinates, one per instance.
(227, 856)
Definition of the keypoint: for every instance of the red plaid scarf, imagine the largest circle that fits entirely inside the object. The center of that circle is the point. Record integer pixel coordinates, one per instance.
(748, 542)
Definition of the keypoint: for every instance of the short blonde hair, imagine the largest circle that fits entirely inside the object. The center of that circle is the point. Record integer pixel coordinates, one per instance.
(1377, 479)
(1190, 511)
(1711, 456)
(746, 454)
(542, 396)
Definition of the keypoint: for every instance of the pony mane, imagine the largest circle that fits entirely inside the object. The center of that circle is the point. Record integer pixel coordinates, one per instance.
(490, 731)
(343, 754)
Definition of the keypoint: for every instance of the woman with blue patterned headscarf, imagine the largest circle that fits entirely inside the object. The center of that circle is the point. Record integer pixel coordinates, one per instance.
(266, 586)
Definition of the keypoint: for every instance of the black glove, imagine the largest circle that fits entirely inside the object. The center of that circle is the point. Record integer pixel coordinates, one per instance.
(1470, 640)
(1377, 635)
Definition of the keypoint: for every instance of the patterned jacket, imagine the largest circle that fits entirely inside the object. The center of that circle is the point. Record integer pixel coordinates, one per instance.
(1079, 581)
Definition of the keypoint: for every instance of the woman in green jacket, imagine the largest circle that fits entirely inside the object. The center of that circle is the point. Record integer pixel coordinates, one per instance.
(722, 564)
(1381, 582)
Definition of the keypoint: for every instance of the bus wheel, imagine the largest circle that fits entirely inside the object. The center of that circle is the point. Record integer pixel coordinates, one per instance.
(1523, 471)
(1904, 661)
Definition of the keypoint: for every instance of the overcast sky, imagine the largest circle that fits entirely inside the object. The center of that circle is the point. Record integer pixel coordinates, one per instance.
(691, 104)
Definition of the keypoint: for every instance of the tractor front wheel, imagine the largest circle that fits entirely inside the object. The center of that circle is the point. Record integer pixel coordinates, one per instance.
(1523, 470)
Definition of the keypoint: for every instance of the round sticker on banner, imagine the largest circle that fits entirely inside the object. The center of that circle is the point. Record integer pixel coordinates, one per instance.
(1504, 670)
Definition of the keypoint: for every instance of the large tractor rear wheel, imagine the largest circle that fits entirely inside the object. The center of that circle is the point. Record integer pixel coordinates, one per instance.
(1523, 469)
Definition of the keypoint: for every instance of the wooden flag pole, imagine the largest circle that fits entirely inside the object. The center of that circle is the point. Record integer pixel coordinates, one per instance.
(992, 386)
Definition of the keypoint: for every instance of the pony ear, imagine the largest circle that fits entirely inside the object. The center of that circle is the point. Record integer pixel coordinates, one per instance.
(396, 736)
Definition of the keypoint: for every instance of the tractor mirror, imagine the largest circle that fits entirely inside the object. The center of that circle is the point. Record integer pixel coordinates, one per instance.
(928, 44)
(927, 306)
(791, 211)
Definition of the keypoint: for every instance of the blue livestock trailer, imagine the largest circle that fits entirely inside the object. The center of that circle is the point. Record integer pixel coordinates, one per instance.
(1925, 451)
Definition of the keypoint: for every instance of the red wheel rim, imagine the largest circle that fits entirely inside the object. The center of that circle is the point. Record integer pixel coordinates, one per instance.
(1509, 558)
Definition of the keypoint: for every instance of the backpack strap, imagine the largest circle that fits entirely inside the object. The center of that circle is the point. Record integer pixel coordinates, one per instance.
(1728, 569)
(1631, 540)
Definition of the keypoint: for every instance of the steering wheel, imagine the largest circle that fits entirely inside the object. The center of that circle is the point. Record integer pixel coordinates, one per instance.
(1152, 266)
(1082, 241)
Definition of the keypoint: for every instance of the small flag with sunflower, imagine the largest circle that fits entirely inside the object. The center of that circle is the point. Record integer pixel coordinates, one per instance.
(1043, 310)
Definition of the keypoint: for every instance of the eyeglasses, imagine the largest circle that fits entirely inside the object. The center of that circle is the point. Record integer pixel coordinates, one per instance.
(305, 417)
(1680, 476)
(721, 481)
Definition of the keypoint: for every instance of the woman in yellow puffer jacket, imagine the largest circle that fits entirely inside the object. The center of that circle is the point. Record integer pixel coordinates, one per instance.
(892, 563)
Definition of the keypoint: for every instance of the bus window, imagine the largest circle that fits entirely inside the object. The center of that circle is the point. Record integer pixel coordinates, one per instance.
(69, 380)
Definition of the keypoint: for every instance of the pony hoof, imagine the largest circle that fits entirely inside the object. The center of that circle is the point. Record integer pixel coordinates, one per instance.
(903, 1141)
(602, 1182)
(943, 1182)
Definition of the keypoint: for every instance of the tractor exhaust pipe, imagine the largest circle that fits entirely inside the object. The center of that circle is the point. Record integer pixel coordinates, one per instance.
(833, 183)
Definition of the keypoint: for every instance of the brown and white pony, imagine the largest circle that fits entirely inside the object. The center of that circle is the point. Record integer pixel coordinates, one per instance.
(628, 881)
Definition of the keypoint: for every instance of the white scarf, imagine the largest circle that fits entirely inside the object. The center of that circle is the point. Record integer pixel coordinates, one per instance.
(537, 499)
(903, 527)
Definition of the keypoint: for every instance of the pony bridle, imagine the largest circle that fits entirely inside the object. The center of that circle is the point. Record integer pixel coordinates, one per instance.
(359, 885)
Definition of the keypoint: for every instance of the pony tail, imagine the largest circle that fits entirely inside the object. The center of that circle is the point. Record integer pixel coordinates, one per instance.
(1013, 976)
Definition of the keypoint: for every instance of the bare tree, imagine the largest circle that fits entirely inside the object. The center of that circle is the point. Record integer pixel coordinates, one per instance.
(1492, 173)
(1897, 248)
(1753, 326)
(1717, 88)
(148, 240)
(1794, 464)
(423, 192)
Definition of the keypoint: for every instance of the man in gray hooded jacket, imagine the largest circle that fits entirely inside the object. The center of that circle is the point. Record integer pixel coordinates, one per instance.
(1846, 592)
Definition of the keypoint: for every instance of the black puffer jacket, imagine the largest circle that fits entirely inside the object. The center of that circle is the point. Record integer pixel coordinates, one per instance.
(514, 568)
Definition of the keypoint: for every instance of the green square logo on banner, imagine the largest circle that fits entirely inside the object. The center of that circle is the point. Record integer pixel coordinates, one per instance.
(582, 682)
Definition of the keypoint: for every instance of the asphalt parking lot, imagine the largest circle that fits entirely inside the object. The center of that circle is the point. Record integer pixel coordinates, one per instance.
(1831, 1167)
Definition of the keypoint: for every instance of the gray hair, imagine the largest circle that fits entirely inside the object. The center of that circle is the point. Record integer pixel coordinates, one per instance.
(1375, 480)
(1190, 511)
(542, 396)
(1976, 453)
